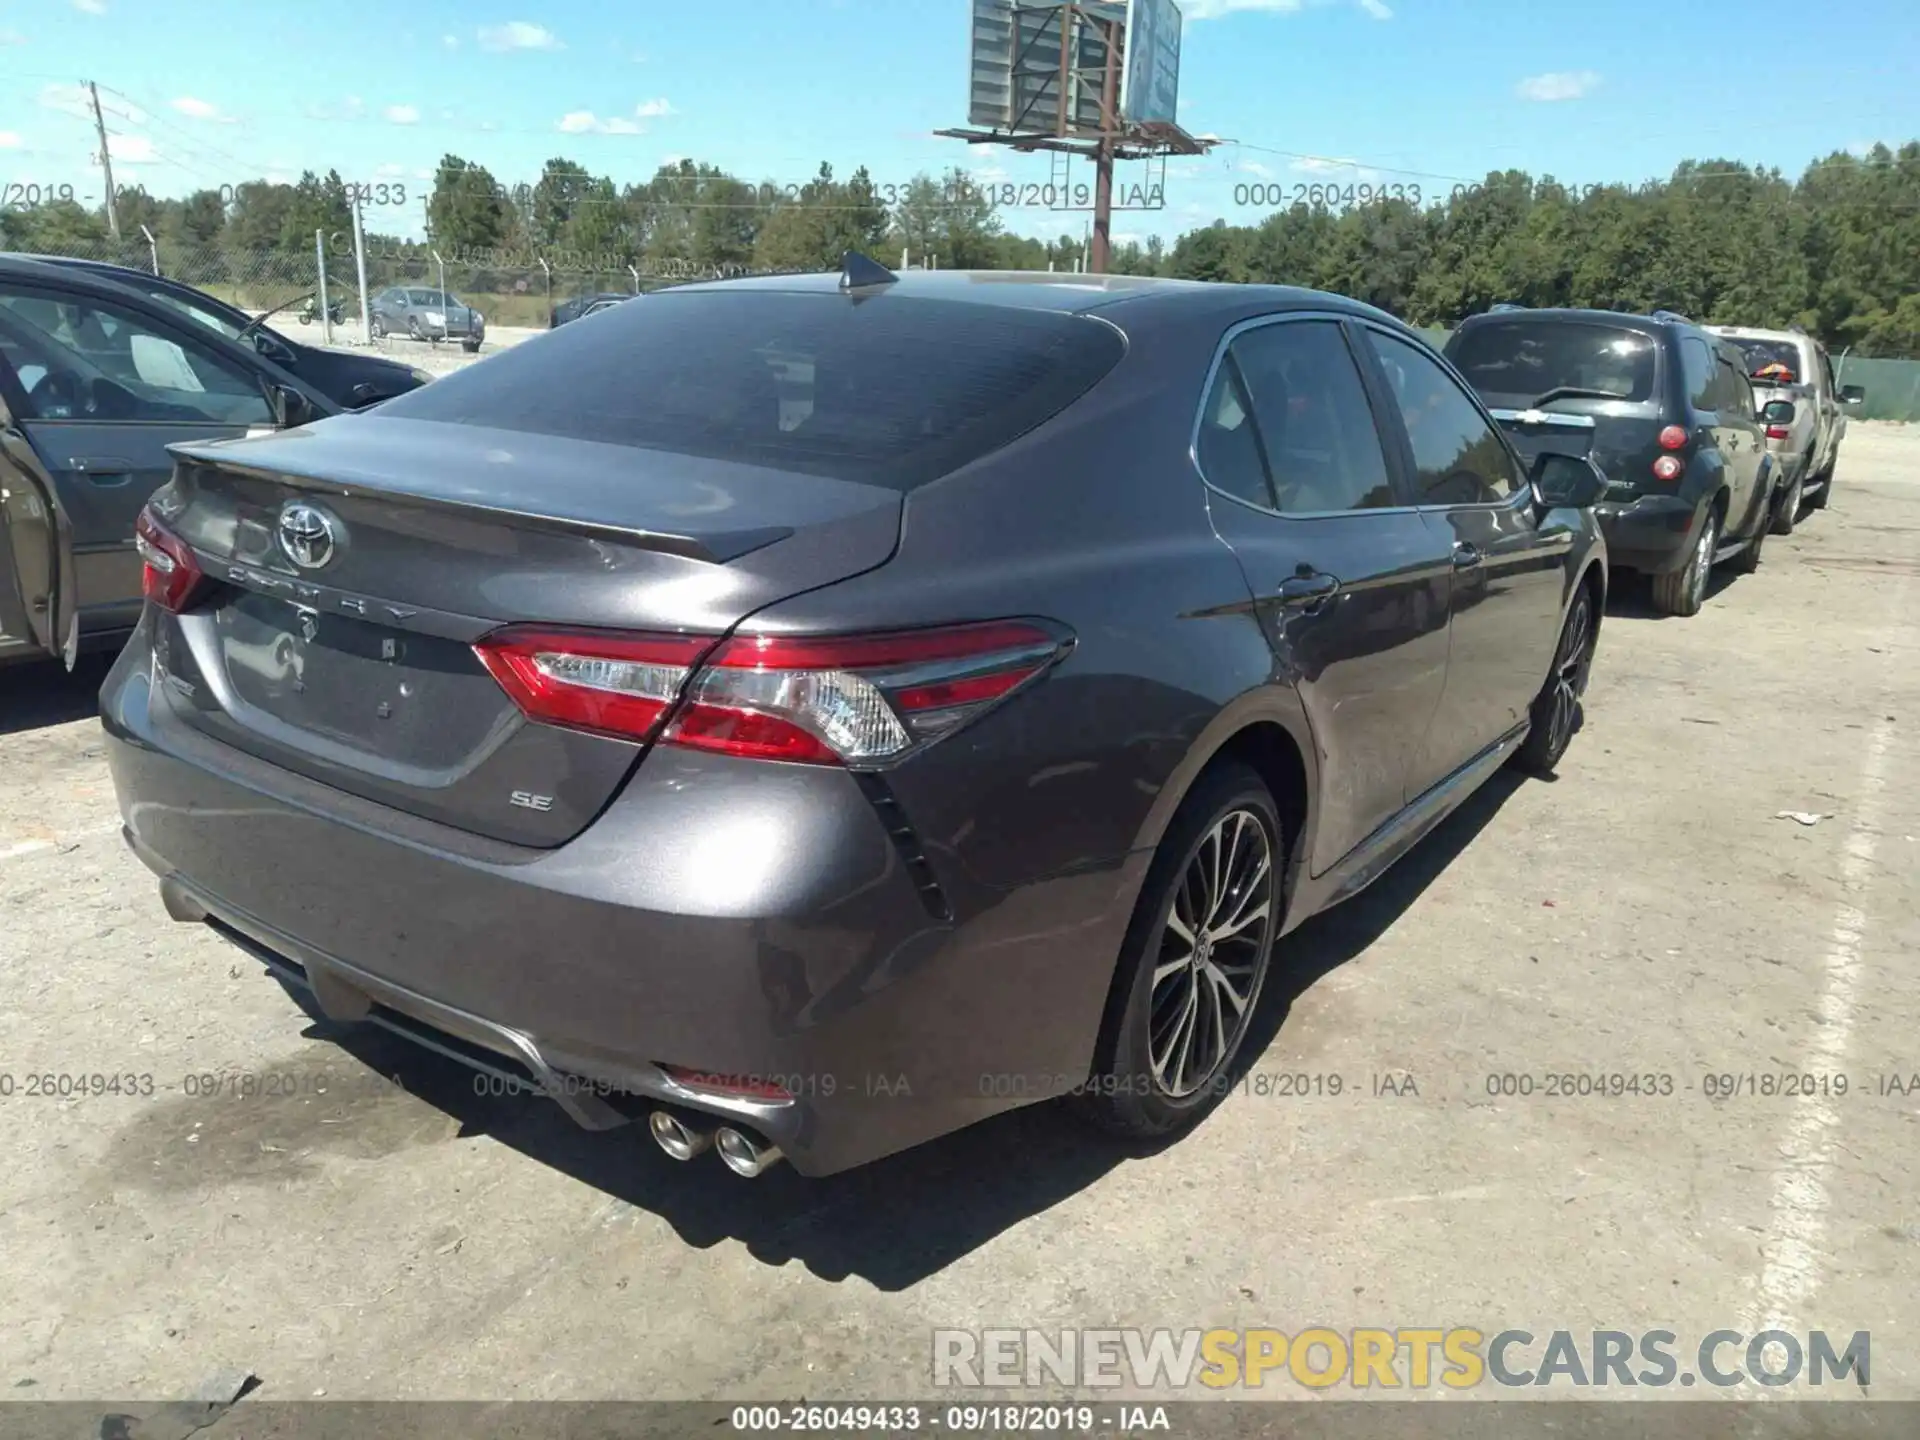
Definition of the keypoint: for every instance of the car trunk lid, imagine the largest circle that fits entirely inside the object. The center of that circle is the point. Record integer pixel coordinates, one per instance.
(357, 562)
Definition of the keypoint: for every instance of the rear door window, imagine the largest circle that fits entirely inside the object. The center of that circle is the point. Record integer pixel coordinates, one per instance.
(1520, 361)
(884, 391)
(1322, 447)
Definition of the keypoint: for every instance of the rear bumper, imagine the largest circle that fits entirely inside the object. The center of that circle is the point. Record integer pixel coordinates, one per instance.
(722, 916)
(1653, 534)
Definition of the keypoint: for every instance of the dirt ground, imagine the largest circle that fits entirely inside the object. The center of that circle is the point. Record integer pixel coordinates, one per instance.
(1650, 912)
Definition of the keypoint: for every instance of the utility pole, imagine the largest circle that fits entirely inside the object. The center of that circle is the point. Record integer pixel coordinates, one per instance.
(106, 159)
(320, 269)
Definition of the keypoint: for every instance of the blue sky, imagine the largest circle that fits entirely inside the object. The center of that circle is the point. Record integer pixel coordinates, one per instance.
(1418, 92)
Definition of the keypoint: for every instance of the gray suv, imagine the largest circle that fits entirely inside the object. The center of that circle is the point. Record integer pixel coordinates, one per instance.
(424, 313)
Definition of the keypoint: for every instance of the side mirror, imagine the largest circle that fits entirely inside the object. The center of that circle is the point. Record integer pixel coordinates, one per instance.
(1567, 481)
(291, 409)
(1853, 395)
(1777, 412)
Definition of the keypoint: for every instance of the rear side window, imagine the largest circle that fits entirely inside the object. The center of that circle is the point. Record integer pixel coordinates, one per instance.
(1523, 360)
(1702, 375)
(883, 391)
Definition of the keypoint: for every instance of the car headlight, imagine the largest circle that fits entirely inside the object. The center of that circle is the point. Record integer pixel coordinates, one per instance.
(423, 376)
(434, 317)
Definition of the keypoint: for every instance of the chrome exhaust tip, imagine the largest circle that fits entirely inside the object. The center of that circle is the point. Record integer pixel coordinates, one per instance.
(743, 1154)
(675, 1136)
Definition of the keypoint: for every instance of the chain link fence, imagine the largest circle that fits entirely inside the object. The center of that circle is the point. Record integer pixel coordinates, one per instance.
(515, 290)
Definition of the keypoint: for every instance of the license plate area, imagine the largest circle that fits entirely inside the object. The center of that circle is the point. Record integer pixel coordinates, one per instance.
(415, 699)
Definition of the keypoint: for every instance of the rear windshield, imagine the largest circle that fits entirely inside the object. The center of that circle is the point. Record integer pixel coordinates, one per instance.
(1771, 359)
(885, 390)
(1525, 359)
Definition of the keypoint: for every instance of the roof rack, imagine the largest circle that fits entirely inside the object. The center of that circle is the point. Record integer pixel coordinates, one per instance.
(1506, 305)
(1673, 315)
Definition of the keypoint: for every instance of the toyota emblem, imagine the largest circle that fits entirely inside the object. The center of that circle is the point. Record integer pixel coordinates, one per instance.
(308, 535)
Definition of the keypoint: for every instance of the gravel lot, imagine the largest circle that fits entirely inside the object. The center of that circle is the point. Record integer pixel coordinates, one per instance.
(1647, 912)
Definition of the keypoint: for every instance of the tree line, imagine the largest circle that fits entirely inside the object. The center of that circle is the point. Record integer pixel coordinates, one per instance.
(1835, 250)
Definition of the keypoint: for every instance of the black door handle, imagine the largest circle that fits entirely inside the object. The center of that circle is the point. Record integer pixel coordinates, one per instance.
(1465, 556)
(1308, 590)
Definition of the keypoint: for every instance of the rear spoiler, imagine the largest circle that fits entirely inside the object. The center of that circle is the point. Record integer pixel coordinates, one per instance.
(714, 549)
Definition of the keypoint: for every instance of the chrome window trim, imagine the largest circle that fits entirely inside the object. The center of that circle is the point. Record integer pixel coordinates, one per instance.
(1240, 327)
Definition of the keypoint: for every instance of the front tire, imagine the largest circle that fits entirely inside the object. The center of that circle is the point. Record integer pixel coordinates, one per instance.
(378, 328)
(1194, 961)
(1557, 711)
(472, 347)
(1685, 590)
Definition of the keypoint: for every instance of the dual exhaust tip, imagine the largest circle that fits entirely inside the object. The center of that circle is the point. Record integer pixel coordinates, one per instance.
(741, 1153)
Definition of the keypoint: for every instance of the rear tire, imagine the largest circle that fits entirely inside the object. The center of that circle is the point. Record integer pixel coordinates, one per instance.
(472, 347)
(1748, 560)
(378, 328)
(1194, 961)
(1824, 494)
(1557, 714)
(1685, 590)
(1786, 514)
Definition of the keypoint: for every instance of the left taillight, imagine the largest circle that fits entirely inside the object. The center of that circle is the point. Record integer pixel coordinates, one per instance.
(856, 700)
(170, 575)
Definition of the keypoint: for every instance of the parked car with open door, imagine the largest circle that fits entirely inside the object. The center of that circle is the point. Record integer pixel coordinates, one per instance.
(96, 381)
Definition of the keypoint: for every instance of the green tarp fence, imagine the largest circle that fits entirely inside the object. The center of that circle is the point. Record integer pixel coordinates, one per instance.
(1892, 386)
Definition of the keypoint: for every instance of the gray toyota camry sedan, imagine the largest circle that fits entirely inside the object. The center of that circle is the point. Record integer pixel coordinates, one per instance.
(811, 714)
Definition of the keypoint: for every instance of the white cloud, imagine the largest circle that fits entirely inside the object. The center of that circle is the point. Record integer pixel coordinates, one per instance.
(12, 37)
(1377, 9)
(402, 114)
(989, 174)
(652, 109)
(585, 122)
(132, 150)
(518, 35)
(452, 42)
(1558, 85)
(197, 109)
(10, 140)
(391, 171)
(423, 174)
(1254, 167)
(91, 7)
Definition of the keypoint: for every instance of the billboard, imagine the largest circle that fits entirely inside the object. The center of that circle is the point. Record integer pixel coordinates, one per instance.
(1016, 83)
(1151, 91)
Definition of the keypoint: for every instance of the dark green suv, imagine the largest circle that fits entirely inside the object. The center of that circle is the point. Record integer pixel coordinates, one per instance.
(1662, 406)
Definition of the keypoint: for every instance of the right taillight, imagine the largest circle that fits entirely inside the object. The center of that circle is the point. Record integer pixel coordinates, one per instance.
(855, 700)
(858, 700)
(170, 575)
